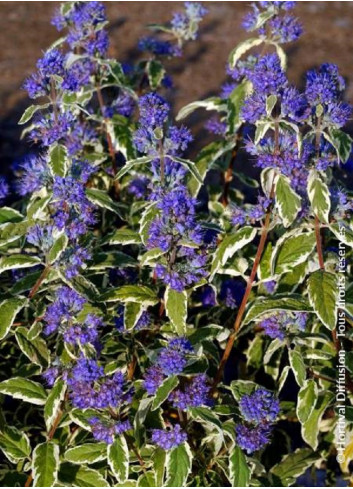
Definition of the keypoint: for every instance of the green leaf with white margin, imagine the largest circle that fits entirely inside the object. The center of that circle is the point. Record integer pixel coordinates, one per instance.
(159, 459)
(271, 101)
(239, 471)
(287, 201)
(54, 400)
(45, 464)
(118, 458)
(89, 453)
(17, 261)
(129, 165)
(146, 219)
(9, 308)
(125, 236)
(242, 48)
(58, 247)
(212, 103)
(131, 293)
(35, 349)
(7, 214)
(179, 461)
(342, 142)
(290, 251)
(150, 257)
(323, 296)
(205, 416)
(343, 232)
(176, 306)
(229, 246)
(30, 111)
(155, 72)
(103, 200)
(294, 465)
(80, 476)
(307, 398)
(297, 366)
(163, 391)
(311, 428)
(319, 196)
(25, 389)
(14, 443)
(264, 305)
(190, 166)
(58, 161)
(132, 313)
(81, 417)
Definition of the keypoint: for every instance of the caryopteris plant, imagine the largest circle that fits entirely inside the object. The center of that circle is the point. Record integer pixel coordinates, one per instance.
(168, 322)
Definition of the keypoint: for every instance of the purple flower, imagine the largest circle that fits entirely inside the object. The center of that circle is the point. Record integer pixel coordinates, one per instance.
(259, 407)
(253, 438)
(158, 47)
(35, 175)
(169, 438)
(138, 187)
(4, 188)
(153, 379)
(66, 305)
(173, 359)
(41, 236)
(285, 29)
(324, 86)
(232, 292)
(195, 394)
(103, 430)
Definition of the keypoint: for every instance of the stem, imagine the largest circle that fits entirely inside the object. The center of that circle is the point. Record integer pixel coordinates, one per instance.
(108, 137)
(319, 244)
(229, 173)
(36, 286)
(162, 162)
(243, 304)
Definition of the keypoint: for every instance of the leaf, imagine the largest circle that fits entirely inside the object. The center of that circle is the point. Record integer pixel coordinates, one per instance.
(159, 460)
(212, 103)
(242, 48)
(132, 313)
(319, 196)
(53, 403)
(271, 101)
(323, 296)
(263, 305)
(163, 391)
(17, 261)
(89, 453)
(298, 367)
(206, 416)
(29, 113)
(239, 472)
(58, 247)
(14, 443)
(9, 308)
(118, 458)
(156, 72)
(207, 157)
(293, 465)
(103, 200)
(307, 398)
(291, 251)
(342, 142)
(25, 389)
(7, 214)
(131, 164)
(125, 236)
(131, 293)
(34, 349)
(147, 217)
(343, 233)
(115, 259)
(80, 476)
(229, 246)
(179, 461)
(176, 305)
(288, 202)
(58, 161)
(150, 256)
(45, 464)
(190, 166)
(311, 427)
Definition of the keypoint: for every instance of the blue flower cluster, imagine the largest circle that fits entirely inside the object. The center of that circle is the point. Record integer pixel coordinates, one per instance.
(278, 325)
(260, 409)
(195, 394)
(175, 230)
(169, 438)
(106, 431)
(91, 388)
(171, 361)
(60, 316)
(183, 27)
(279, 27)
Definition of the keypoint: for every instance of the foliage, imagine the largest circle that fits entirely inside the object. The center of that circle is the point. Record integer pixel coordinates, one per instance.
(160, 327)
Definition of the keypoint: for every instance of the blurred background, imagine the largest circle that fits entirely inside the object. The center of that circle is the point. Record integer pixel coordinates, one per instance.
(25, 32)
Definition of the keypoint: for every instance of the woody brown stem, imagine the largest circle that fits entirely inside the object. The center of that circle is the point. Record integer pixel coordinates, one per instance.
(39, 282)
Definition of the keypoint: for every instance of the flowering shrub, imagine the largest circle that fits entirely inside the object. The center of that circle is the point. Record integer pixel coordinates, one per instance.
(168, 322)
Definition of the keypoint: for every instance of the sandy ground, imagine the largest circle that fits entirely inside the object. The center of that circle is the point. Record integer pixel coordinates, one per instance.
(25, 31)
